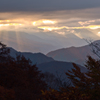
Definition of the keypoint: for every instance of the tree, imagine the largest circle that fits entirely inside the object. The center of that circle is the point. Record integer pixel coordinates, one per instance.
(55, 81)
(20, 76)
(6, 94)
(4, 53)
(89, 82)
(95, 47)
(68, 93)
(86, 86)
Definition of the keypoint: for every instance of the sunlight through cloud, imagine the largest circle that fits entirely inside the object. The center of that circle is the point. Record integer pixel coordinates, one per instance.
(94, 26)
(41, 22)
(98, 34)
(48, 22)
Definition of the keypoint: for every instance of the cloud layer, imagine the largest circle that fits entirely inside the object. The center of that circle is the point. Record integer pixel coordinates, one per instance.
(46, 5)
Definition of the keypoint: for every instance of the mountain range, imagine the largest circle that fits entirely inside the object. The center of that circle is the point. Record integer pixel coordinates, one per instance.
(35, 42)
(58, 61)
(36, 58)
(47, 64)
(73, 54)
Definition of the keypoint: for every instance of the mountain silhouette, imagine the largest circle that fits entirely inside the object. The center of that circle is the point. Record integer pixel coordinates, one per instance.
(36, 58)
(73, 54)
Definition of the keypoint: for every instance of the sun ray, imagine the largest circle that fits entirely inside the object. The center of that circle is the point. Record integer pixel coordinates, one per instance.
(1, 37)
(0, 34)
(19, 42)
(6, 37)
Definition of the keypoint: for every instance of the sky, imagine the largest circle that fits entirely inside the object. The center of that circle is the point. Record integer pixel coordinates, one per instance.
(46, 25)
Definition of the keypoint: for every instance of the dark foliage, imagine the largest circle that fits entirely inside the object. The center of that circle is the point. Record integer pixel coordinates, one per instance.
(86, 86)
(19, 79)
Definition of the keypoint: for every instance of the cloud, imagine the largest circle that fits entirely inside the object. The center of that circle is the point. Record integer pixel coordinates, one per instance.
(89, 22)
(43, 22)
(63, 16)
(98, 34)
(86, 22)
(46, 5)
(71, 28)
(58, 22)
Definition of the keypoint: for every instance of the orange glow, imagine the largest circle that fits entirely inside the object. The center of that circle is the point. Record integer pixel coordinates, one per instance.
(94, 26)
(98, 34)
(8, 20)
(5, 23)
(49, 28)
(48, 22)
(10, 24)
(41, 22)
(58, 28)
(34, 23)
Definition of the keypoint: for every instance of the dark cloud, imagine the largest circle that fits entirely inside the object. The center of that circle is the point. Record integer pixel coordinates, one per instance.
(46, 5)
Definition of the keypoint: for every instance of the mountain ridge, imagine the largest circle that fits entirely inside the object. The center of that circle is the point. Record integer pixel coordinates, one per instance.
(48, 65)
(73, 54)
(36, 58)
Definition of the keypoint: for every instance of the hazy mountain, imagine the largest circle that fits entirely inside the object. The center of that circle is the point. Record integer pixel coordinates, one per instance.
(54, 70)
(73, 54)
(58, 69)
(45, 63)
(25, 42)
(36, 58)
(61, 41)
(43, 42)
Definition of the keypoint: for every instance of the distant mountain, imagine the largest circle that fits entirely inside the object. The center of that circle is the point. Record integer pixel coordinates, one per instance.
(44, 63)
(58, 69)
(55, 70)
(35, 42)
(22, 41)
(73, 54)
(36, 58)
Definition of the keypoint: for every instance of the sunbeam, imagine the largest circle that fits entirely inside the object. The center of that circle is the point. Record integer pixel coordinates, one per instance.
(18, 39)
